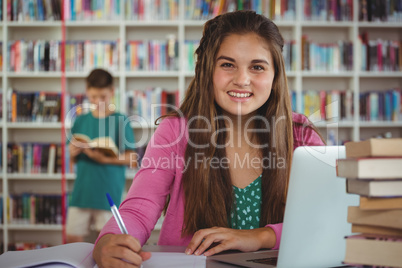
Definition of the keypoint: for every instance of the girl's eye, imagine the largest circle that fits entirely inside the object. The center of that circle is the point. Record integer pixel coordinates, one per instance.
(258, 68)
(226, 64)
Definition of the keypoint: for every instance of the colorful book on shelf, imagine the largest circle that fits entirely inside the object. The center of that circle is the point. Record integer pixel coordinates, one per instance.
(373, 203)
(106, 145)
(370, 168)
(375, 188)
(383, 218)
(374, 148)
(376, 250)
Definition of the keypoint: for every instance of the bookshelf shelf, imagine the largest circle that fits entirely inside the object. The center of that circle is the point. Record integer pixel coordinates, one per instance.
(33, 74)
(35, 227)
(379, 25)
(94, 23)
(330, 124)
(38, 176)
(327, 74)
(192, 23)
(380, 74)
(155, 23)
(82, 74)
(42, 125)
(184, 29)
(152, 74)
(326, 24)
(33, 24)
(379, 124)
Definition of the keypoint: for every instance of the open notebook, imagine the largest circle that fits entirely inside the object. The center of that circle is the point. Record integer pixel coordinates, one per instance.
(68, 255)
(80, 255)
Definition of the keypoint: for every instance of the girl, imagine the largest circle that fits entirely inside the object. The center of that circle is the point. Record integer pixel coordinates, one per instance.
(224, 158)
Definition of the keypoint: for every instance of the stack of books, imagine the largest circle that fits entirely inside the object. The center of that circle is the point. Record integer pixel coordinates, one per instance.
(373, 170)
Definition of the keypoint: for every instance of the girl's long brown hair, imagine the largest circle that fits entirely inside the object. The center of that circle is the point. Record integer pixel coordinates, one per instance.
(208, 191)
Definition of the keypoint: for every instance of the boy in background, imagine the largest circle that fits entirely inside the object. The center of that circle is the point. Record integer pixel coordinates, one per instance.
(98, 173)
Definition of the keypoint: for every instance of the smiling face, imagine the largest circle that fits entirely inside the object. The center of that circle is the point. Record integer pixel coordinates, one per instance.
(100, 98)
(244, 72)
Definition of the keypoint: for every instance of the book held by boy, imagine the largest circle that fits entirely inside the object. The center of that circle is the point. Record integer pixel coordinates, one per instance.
(105, 145)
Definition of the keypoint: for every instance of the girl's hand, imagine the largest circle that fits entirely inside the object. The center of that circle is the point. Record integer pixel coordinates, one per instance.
(97, 156)
(119, 250)
(227, 238)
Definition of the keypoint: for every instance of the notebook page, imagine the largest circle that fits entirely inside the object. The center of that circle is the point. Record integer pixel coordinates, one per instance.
(68, 255)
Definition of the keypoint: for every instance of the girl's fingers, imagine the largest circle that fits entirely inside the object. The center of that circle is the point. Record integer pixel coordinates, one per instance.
(219, 248)
(197, 239)
(207, 242)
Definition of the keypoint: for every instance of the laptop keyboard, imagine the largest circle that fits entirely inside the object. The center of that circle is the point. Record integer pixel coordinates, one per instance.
(267, 261)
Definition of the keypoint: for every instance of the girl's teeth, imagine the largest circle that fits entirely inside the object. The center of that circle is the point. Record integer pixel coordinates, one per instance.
(239, 95)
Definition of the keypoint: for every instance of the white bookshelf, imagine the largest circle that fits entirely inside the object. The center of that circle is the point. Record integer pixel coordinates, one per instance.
(184, 29)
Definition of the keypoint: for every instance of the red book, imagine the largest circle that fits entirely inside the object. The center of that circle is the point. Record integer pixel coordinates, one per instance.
(323, 103)
(379, 55)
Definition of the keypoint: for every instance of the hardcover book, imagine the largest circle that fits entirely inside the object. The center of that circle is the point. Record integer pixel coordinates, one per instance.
(370, 168)
(374, 188)
(374, 148)
(105, 145)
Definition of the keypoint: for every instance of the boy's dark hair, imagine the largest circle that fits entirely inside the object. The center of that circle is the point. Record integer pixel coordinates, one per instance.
(99, 78)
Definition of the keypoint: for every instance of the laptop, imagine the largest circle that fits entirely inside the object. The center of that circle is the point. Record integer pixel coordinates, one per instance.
(315, 221)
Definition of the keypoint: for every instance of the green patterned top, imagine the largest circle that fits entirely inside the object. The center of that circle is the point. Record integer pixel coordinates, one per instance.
(247, 205)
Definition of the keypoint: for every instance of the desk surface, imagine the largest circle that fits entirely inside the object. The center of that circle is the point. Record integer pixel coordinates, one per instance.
(210, 263)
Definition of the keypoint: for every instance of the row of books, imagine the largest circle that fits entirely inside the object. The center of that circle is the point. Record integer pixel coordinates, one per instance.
(381, 105)
(289, 55)
(34, 158)
(33, 106)
(205, 9)
(151, 103)
(376, 55)
(384, 105)
(37, 55)
(380, 10)
(328, 10)
(373, 170)
(86, 55)
(43, 55)
(379, 55)
(152, 55)
(151, 9)
(323, 10)
(334, 105)
(40, 10)
(29, 208)
(331, 57)
(190, 46)
(79, 10)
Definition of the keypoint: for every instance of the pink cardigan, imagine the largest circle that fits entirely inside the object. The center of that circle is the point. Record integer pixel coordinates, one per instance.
(161, 174)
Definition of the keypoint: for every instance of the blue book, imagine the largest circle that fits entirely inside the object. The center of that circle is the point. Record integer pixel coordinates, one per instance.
(388, 106)
(396, 107)
(373, 106)
(72, 10)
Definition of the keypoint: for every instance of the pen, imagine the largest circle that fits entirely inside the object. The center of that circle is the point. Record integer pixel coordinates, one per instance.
(116, 215)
